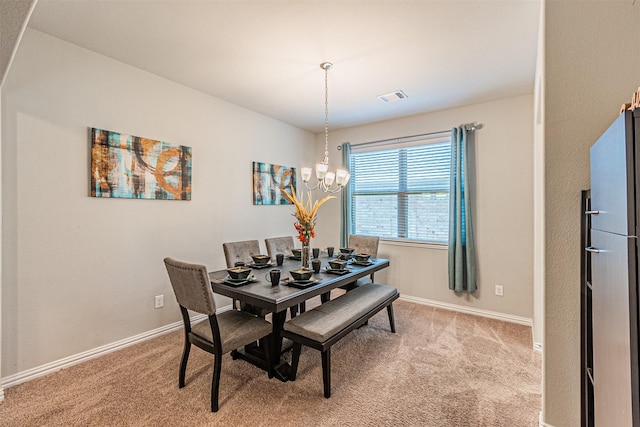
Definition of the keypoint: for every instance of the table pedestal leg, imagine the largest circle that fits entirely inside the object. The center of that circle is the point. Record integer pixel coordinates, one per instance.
(281, 369)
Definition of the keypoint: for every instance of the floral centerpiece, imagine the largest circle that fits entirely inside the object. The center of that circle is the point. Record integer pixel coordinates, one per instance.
(305, 215)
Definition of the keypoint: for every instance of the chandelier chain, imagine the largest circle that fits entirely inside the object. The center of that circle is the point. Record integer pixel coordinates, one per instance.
(328, 181)
(326, 114)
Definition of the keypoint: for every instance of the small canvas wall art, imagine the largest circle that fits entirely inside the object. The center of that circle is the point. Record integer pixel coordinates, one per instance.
(132, 167)
(268, 181)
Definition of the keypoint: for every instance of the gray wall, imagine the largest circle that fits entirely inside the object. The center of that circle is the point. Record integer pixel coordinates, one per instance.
(592, 67)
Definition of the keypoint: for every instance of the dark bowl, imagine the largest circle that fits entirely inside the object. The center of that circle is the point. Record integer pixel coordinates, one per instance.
(362, 257)
(346, 250)
(301, 274)
(296, 252)
(260, 259)
(338, 264)
(238, 273)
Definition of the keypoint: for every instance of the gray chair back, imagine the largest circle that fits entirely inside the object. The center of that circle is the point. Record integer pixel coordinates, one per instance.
(240, 251)
(364, 244)
(191, 286)
(279, 245)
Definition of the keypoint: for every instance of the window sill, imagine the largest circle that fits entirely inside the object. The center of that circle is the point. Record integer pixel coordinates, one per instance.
(415, 244)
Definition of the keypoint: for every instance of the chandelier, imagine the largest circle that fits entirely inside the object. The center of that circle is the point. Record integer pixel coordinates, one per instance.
(329, 182)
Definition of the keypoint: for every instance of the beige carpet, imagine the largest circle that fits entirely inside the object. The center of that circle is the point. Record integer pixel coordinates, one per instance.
(441, 368)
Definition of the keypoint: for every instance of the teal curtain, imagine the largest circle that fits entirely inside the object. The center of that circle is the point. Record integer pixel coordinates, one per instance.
(345, 219)
(462, 254)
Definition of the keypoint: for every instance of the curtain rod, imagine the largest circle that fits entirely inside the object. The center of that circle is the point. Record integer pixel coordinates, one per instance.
(469, 126)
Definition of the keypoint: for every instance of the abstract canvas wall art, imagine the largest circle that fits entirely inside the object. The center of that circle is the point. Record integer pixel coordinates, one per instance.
(267, 183)
(132, 167)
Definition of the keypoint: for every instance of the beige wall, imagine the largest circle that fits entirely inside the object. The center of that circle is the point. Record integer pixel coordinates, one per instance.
(592, 67)
(13, 18)
(81, 272)
(538, 192)
(503, 208)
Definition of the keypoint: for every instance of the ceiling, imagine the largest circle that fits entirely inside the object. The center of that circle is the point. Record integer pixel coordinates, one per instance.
(265, 55)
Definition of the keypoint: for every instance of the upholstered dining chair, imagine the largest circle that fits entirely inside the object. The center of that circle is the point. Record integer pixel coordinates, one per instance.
(241, 252)
(363, 245)
(218, 333)
(279, 245)
(283, 245)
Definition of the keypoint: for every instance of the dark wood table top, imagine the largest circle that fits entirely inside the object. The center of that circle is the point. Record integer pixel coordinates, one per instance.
(279, 298)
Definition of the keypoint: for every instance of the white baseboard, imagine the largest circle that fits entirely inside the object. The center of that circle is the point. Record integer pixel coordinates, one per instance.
(469, 310)
(66, 362)
(542, 423)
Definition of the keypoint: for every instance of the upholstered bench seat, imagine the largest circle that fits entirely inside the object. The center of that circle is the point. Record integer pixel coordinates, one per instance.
(330, 318)
(326, 324)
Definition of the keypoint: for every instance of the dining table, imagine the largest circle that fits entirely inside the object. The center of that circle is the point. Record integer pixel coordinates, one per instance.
(278, 298)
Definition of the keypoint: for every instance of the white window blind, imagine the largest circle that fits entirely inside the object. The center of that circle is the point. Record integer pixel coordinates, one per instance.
(401, 191)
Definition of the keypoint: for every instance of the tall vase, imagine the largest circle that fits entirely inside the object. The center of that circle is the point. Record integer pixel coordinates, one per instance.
(306, 254)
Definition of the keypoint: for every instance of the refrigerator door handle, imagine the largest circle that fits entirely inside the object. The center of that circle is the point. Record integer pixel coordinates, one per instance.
(592, 212)
(591, 249)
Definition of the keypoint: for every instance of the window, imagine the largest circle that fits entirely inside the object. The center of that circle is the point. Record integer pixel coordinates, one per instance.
(401, 191)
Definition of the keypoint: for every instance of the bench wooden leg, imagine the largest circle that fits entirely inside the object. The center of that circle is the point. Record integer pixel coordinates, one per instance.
(295, 358)
(392, 323)
(325, 297)
(326, 372)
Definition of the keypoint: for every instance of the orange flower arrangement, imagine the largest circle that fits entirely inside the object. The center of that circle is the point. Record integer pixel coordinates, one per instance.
(305, 214)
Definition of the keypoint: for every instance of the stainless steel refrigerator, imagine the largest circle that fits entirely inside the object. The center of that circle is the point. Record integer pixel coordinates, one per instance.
(615, 228)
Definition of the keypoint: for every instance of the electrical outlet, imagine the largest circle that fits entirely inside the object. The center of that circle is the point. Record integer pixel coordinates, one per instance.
(499, 290)
(159, 301)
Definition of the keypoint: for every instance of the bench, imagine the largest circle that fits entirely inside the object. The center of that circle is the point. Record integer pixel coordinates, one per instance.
(328, 323)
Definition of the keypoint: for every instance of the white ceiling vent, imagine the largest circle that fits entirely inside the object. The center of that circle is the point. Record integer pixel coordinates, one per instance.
(393, 96)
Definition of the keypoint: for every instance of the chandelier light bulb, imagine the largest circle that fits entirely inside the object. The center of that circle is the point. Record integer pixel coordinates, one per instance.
(329, 178)
(321, 170)
(342, 177)
(305, 171)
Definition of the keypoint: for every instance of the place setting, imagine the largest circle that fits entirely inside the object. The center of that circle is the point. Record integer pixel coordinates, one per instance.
(260, 261)
(345, 253)
(239, 276)
(296, 255)
(362, 260)
(301, 278)
(337, 266)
